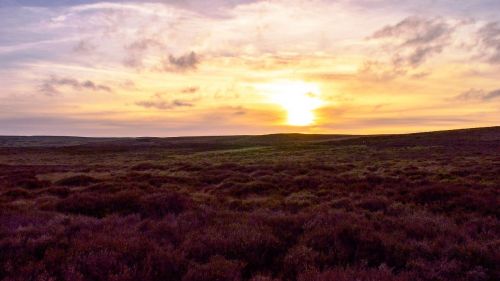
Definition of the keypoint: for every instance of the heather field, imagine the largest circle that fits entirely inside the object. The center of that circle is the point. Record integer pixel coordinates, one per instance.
(261, 208)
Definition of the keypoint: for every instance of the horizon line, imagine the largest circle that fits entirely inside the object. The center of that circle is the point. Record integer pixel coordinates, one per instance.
(252, 135)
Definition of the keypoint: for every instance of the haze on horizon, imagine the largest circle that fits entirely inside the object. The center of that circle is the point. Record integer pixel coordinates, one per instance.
(195, 67)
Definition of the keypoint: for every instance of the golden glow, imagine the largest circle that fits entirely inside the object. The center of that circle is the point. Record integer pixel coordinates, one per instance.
(298, 98)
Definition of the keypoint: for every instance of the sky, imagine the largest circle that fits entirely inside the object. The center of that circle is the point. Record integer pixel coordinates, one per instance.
(232, 67)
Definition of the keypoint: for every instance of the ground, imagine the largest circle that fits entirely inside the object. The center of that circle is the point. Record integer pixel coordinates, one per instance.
(276, 207)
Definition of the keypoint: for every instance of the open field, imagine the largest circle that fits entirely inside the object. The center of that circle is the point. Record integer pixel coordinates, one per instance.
(278, 207)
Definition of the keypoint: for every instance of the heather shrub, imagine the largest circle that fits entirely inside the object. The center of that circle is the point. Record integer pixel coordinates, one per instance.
(78, 180)
(358, 209)
(305, 182)
(215, 176)
(339, 274)
(32, 183)
(102, 265)
(160, 204)
(16, 193)
(260, 277)
(216, 269)
(339, 241)
(374, 204)
(254, 244)
(146, 179)
(299, 259)
(374, 180)
(252, 187)
(163, 231)
(105, 187)
(287, 228)
(100, 205)
(59, 191)
(299, 200)
(431, 194)
(163, 263)
(342, 203)
(147, 166)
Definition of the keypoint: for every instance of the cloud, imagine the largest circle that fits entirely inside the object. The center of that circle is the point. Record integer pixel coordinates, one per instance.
(136, 50)
(212, 8)
(240, 111)
(84, 47)
(415, 31)
(190, 90)
(158, 102)
(143, 44)
(185, 62)
(492, 95)
(490, 38)
(409, 44)
(52, 85)
(478, 94)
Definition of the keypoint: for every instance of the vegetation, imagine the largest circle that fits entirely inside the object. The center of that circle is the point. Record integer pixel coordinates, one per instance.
(263, 208)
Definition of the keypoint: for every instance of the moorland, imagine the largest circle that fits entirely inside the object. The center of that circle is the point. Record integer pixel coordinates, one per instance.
(292, 207)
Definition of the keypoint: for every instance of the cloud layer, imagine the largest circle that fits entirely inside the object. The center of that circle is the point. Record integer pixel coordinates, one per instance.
(373, 61)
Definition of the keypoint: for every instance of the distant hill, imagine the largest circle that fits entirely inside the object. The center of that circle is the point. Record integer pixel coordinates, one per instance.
(487, 135)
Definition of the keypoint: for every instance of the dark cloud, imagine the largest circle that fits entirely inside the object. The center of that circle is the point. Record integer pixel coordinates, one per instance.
(478, 94)
(52, 85)
(185, 62)
(490, 38)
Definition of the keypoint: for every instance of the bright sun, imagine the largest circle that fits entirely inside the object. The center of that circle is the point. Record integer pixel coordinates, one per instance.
(298, 98)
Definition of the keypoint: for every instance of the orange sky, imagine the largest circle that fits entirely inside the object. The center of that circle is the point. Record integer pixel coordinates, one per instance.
(170, 68)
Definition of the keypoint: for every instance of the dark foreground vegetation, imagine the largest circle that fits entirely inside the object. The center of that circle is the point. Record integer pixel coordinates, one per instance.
(280, 207)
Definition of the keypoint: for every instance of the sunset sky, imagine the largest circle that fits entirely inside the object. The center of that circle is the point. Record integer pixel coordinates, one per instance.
(198, 67)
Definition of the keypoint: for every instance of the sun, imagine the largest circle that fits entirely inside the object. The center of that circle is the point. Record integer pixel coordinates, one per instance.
(300, 99)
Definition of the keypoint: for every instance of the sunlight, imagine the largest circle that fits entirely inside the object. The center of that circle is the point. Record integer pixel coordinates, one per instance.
(298, 98)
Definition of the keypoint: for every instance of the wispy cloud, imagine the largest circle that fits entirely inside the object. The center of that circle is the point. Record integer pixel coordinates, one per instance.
(54, 85)
(478, 94)
(161, 104)
(158, 101)
(490, 37)
(84, 47)
(409, 44)
(190, 90)
(136, 50)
